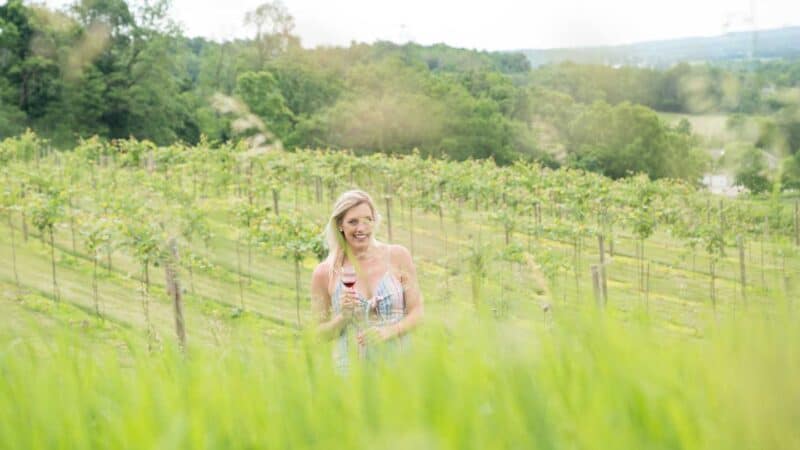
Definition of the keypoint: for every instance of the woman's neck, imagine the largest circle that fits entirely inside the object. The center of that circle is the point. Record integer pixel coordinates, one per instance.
(364, 253)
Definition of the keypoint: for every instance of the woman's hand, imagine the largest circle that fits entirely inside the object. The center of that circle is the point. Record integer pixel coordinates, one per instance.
(377, 335)
(349, 302)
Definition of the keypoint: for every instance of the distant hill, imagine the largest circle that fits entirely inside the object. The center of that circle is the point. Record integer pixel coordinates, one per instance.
(775, 43)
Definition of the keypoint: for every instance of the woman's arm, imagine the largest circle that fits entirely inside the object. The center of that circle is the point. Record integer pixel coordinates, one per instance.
(327, 327)
(411, 291)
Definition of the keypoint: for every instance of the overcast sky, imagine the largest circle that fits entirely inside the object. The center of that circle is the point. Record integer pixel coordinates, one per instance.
(491, 25)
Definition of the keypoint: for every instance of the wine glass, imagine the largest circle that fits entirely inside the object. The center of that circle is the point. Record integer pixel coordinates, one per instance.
(349, 279)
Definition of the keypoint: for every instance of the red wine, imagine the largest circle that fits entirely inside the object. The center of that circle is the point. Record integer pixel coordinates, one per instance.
(349, 277)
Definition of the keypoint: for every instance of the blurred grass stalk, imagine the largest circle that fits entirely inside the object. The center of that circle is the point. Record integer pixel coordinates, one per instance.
(591, 381)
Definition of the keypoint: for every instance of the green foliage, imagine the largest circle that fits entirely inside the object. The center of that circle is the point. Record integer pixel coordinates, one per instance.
(109, 69)
(25, 147)
(544, 361)
(751, 172)
(622, 140)
(262, 94)
(292, 235)
(92, 149)
(133, 153)
(100, 233)
(529, 383)
(146, 241)
(790, 174)
(46, 205)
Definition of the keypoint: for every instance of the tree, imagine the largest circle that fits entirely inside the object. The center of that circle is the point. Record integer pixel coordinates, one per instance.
(751, 172)
(625, 139)
(274, 26)
(260, 91)
(790, 177)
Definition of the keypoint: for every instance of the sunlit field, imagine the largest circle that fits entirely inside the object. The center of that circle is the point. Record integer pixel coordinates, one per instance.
(169, 168)
(683, 334)
(587, 381)
(707, 125)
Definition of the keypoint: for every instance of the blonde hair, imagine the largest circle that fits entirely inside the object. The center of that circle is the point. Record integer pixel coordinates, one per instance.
(337, 246)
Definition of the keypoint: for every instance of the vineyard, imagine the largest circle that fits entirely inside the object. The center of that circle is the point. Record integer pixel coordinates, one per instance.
(126, 249)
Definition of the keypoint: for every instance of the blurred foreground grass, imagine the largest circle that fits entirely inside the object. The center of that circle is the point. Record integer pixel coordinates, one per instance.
(586, 380)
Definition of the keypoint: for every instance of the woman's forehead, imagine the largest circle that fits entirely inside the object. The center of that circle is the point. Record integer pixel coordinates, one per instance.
(362, 210)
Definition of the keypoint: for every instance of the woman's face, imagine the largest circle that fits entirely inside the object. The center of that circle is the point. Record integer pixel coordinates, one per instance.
(357, 226)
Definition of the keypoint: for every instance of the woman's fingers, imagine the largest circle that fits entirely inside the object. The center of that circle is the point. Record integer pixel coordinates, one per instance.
(350, 299)
(373, 335)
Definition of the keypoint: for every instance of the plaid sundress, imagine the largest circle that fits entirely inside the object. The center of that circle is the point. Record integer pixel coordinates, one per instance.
(386, 307)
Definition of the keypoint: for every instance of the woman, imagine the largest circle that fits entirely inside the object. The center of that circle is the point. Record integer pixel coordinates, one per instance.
(385, 302)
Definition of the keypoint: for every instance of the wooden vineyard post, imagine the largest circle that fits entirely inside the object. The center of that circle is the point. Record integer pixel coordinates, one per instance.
(763, 239)
(603, 276)
(151, 163)
(24, 223)
(442, 229)
(239, 271)
(275, 201)
(72, 225)
(712, 286)
(56, 295)
(411, 225)
(332, 190)
(742, 278)
(647, 286)
(797, 223)
(297, 289)
(13, 250)
(174, 291)
(318, 188)
(389, 216)
(598, 295)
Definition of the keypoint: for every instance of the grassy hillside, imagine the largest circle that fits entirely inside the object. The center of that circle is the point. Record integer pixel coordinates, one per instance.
(531, 361)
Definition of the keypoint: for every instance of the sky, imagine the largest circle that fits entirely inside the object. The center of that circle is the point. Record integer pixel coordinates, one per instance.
(491, 25)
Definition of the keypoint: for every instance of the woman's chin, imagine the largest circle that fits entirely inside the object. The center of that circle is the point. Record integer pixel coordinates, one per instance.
(360, 244)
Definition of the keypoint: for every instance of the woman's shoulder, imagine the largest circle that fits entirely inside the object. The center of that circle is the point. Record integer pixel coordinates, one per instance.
(398, 254)
(321, 273)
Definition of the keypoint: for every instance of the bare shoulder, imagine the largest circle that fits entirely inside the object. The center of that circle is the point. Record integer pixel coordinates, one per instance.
(400, 256)
(321, 274)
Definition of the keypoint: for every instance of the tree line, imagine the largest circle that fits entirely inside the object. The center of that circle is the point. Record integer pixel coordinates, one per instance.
(117, 69)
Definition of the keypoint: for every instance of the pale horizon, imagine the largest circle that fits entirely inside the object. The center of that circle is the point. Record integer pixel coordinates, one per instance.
(496, 26)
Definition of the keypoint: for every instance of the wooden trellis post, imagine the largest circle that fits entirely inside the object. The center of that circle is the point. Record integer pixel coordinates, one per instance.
(742, 278)
(598, 295)
(174, 291)
(797, 223)
(603, 275)
(389, 216)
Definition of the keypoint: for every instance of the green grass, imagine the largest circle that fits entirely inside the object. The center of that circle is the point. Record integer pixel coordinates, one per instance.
(707, 125)
(587, 382)
(661, 367)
